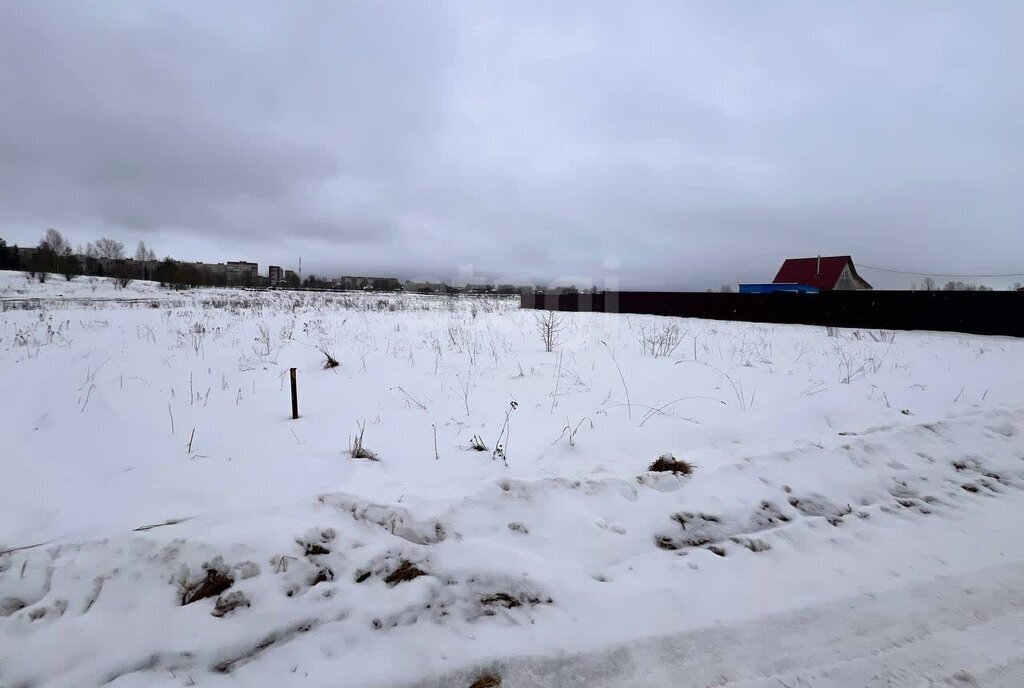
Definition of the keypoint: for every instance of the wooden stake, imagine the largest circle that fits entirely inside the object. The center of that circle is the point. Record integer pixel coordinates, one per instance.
(295, 396)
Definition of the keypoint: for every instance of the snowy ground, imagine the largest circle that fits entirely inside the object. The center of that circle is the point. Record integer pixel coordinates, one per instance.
(852, 518)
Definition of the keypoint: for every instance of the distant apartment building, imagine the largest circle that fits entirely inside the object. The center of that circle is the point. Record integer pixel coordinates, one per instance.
(367, 283)
(276, 274)
(240, 272)
(214, 273)
(290, 277)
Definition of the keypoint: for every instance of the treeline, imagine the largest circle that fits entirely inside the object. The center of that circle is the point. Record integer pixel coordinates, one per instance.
(500, 289)
(929, 284)
(54, 255)
(10, 258)
(105, 257)
(181, 275)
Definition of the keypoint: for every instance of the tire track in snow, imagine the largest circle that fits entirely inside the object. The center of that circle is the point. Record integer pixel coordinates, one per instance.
(962, 631)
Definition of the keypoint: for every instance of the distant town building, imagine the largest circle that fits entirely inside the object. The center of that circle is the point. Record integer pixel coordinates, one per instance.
(367, 283)
(291, 278)
(240, 272)
(429, 288)
(478, 288)
(276, 274)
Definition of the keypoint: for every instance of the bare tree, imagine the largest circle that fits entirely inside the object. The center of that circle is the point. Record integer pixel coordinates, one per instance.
(109, 248)
(725, 289)
(141, 254)
(928, 284)
(549, 326)
(56, 241)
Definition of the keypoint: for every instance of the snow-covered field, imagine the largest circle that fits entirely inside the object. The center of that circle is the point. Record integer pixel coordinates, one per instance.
(852, 517)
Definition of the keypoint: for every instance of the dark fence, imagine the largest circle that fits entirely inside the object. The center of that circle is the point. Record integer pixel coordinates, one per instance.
(975, 312)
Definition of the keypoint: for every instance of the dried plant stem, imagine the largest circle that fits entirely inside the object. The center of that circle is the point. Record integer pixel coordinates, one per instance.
(629, 406)
(558, 378)
(410, 398)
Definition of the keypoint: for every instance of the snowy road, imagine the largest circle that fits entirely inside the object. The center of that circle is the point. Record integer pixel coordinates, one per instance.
(965, 630)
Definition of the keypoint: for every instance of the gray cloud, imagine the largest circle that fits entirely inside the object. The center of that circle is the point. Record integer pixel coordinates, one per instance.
(697, 144)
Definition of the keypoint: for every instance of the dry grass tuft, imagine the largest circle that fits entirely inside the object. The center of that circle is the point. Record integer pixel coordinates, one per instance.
(228, 603)
(214, 584)
(331, 361)
(356, 448)
(324, 575)
(405, 572)
(666, 463)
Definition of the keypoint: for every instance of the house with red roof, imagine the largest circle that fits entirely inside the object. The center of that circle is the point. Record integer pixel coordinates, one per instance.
(824, 273)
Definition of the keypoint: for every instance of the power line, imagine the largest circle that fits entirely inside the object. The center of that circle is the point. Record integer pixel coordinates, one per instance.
(934, 274)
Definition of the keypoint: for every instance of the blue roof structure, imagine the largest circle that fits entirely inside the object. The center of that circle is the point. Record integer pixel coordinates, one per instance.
(788, 288)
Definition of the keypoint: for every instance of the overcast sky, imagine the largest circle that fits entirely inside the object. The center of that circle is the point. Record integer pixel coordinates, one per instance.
(650, 145)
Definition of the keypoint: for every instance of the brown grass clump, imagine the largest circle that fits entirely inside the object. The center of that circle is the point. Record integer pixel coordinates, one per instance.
(666, 463)
(324, 575)
(228, 603)
(486, 681)
(503, 599)
(405, 572)
(214, 584)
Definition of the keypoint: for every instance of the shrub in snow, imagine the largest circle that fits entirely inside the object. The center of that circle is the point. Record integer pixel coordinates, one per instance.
(660, 342)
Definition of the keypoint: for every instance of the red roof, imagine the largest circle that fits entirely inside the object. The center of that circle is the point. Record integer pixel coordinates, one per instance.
(822, 273)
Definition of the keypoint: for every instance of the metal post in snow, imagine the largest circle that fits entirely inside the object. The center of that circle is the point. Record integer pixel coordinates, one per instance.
(295, 396)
